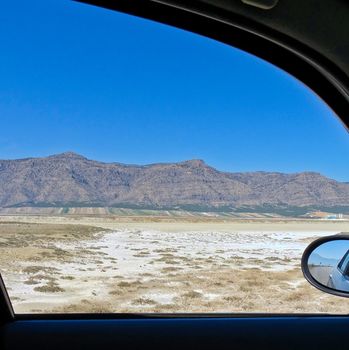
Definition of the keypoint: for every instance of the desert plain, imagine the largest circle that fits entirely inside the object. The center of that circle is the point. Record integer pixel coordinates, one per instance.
(97, 264)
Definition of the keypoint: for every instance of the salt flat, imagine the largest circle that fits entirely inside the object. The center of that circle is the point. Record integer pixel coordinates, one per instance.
(102, 264)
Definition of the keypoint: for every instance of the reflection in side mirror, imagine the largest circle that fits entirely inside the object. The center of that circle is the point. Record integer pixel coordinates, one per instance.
(325, 264)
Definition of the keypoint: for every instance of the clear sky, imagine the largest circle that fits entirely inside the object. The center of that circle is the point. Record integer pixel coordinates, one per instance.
(332, 249)
(118, 88)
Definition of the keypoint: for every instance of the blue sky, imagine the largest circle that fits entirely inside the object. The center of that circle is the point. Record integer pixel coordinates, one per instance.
(332, 249)
(118, 88)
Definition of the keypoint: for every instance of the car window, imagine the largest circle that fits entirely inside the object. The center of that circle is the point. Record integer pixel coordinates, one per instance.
(148, 169)
(343, 265)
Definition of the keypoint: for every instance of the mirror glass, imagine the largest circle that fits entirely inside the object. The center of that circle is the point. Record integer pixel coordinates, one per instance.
(329, 264)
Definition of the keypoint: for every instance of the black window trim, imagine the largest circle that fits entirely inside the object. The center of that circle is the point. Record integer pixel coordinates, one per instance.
(6, 310)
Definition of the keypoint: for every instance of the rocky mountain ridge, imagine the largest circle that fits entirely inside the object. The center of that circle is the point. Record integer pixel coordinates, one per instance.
(71, 179)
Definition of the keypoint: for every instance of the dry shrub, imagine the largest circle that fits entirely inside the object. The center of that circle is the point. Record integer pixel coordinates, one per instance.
(144, 301)
(50, 287)
(192, 294)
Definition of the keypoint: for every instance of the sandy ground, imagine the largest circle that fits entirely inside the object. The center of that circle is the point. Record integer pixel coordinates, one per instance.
(60, 264)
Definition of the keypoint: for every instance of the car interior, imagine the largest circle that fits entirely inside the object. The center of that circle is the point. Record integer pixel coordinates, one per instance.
(309, 41)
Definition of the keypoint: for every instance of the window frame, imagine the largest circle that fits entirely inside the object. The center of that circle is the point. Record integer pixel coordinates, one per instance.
(302, 62)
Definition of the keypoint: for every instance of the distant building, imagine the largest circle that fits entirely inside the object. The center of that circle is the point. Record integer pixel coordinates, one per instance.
(334, 217)
(323, 215)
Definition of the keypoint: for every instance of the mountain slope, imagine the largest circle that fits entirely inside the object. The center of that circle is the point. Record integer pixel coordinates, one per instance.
(71, 178)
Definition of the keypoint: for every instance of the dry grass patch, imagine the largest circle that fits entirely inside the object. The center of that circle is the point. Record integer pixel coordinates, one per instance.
(192, 295)
(171, 269)
(127, 284)
(143, 301)
(69, 278)
(50, 287)
(142, 254)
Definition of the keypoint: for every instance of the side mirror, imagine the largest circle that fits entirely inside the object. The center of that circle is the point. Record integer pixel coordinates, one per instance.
(325, 264)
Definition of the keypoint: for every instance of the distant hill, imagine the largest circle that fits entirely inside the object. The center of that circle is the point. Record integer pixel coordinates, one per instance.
(69, 179)
(316, 259)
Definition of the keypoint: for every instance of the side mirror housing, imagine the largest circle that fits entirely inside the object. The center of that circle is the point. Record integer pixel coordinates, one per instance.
(325, 264)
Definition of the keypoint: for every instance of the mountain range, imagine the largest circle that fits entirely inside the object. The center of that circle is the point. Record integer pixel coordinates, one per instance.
(69, 179)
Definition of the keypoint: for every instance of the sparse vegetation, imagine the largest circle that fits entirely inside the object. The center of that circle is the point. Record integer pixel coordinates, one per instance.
(156, 272)
(50, 287)
(143, 301)
(192, 294)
